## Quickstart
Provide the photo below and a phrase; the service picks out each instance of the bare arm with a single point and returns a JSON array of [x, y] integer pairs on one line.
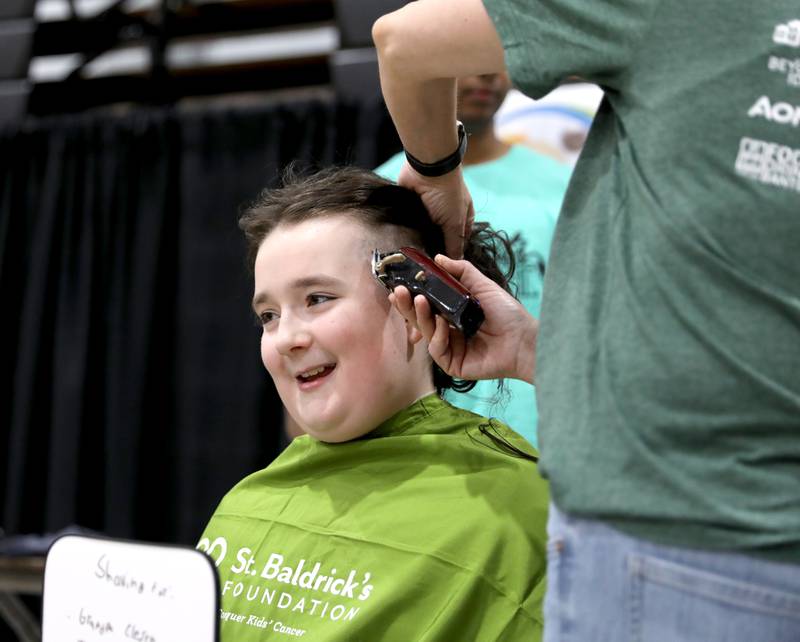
[[422, 49]]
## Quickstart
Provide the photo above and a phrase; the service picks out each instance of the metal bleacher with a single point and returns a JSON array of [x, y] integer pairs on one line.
[[16, 36], [61, 56]]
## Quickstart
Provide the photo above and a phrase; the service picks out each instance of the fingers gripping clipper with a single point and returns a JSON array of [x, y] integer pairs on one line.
[[417, 272]]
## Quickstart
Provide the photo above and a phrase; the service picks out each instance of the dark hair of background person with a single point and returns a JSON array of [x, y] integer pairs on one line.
[[376, 203]]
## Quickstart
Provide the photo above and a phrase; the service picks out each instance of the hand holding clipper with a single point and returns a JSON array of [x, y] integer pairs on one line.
[[413, 269]]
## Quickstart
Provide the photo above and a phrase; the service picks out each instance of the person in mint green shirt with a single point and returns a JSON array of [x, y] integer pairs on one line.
[[396, 516], [519, 191]]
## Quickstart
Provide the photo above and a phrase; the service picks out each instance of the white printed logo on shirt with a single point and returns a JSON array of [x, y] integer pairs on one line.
[[779, 112], [786, 66], [769, 163], [788, 34]]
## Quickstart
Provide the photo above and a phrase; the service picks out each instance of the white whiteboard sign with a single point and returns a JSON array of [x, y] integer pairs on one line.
[[108, 590]]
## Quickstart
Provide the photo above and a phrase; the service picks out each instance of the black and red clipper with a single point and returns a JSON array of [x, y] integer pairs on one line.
[[417, 272]]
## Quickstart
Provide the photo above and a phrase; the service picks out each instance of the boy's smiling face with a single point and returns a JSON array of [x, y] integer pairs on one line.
[[338, 352]]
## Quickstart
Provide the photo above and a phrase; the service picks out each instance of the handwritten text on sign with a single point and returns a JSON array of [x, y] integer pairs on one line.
[[106, 590]]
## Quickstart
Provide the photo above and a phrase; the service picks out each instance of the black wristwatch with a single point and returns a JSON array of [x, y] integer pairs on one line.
[[448, 163]]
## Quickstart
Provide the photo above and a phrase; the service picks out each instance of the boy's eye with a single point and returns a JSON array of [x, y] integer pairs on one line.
[[316, 299], [267, 316]]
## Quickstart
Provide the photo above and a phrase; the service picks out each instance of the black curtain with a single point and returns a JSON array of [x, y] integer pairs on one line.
[[132, 396]]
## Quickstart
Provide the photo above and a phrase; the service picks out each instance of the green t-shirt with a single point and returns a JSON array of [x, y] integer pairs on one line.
[[414, 532], [520, 193], [668, 369]]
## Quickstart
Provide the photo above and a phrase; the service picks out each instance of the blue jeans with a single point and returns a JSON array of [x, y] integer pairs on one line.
[[604, 586]]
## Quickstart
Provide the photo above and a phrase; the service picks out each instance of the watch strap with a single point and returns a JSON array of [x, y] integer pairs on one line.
[[446, 164]]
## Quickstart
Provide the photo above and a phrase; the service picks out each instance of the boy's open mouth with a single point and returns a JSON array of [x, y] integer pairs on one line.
[[315, 373]]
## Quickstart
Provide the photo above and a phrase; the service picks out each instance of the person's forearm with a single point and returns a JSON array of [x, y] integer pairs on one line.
[[422, 48], [423, 113]]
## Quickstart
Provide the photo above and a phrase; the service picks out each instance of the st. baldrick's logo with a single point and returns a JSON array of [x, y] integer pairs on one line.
[[309, 576]]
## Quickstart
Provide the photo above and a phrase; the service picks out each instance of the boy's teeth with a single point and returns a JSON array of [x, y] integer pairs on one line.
[[313, 372]]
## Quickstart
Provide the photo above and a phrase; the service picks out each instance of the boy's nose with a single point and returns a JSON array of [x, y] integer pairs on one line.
[[292, 336]]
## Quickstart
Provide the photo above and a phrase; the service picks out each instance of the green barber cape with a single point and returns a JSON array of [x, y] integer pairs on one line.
[[425, 529]]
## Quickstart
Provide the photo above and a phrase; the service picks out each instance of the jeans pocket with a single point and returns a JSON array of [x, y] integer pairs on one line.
[[673, 602]]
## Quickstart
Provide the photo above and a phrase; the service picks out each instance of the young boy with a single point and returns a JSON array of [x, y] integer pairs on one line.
[[397, 516]]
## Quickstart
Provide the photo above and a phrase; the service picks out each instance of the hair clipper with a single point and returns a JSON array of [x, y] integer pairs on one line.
[[417, 272]]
